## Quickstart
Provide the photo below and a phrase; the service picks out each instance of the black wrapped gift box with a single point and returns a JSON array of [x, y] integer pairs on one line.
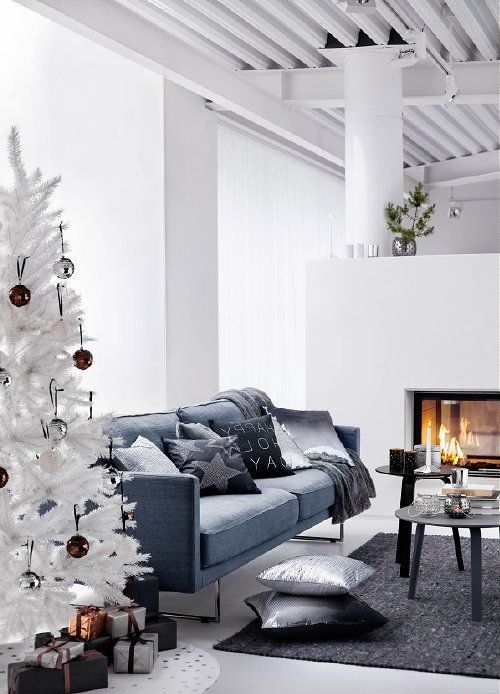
[[42, 639], [90, 672], [145, 592], [166, 629], [102, 644]]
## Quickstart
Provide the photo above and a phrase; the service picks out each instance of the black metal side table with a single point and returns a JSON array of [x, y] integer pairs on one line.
[[474, 524], [408, 480]]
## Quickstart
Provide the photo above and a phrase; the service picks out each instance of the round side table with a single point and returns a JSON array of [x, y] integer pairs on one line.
[[408, 480], [474, 524]]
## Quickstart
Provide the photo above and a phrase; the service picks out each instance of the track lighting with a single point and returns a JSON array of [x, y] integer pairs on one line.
[[451, 90], [455, 208], [367, 6]]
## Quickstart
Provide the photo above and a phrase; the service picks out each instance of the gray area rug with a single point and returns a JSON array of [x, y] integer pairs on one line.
[[433, 633]]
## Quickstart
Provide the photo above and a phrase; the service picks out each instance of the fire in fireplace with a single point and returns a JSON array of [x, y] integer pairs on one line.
[[465, 424]]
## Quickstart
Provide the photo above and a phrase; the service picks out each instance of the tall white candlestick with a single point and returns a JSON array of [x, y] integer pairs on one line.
[[428, 453]]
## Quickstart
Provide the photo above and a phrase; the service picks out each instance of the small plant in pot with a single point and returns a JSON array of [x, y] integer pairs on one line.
[[410, 221]]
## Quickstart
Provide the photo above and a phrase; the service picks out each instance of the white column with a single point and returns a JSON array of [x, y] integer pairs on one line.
[[192, 344], [373, 144]]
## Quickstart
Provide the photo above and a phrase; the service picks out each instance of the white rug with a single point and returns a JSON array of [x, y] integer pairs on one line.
[[185, 670]]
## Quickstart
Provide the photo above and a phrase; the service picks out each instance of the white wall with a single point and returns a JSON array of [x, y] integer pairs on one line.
[[388, 324], [273, 216], [478, 228], [191, 241], [97, 118]]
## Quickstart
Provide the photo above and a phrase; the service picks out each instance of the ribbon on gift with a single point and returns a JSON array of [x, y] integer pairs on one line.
[[129, 609], [134, 640], [90, 611], [61, 649]]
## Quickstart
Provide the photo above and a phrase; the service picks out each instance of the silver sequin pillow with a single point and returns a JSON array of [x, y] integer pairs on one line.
[[292, 455], [311, 618], [316, 575]]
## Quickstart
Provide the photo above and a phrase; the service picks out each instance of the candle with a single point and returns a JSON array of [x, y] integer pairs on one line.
[[428, 448]]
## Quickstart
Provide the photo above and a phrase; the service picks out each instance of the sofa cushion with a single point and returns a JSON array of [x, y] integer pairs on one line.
[[150, 426], [221, 411], [313, 488], [231, 525]]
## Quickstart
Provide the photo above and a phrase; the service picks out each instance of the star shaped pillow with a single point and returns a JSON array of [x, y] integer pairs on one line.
[[216, 463]]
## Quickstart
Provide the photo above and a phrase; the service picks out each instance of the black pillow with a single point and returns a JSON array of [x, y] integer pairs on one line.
[[258, 445], [217, 464], [300, 617]]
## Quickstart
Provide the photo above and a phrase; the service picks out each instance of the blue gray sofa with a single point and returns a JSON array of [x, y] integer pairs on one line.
[[195, 541]]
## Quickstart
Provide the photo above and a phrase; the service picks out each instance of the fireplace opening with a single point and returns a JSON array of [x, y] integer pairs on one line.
[[466, 425]]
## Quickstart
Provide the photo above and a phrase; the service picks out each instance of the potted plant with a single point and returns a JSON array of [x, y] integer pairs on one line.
[[416, 214]]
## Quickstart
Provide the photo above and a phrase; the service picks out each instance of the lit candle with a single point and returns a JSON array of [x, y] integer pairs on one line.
[[428, 448]]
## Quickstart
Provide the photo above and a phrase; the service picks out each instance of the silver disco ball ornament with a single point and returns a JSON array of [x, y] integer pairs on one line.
[[63, 268], [112, 479], [5, 377], [57, 429], [29, 580]]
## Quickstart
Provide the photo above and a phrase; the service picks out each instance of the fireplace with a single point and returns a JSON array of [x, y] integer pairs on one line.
[[466, 424]]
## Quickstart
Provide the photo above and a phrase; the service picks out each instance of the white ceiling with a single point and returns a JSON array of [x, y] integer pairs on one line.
[[271, 34]]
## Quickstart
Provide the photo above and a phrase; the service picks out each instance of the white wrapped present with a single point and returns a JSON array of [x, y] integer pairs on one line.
[[54, 655], [122, 620], [135, 653]]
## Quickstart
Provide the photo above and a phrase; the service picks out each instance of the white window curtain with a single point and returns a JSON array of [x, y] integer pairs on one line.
[[276, 211]]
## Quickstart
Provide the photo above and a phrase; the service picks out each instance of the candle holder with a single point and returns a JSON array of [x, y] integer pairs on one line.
[[410, 464], [420, 451], [457, 506], [396, 459]]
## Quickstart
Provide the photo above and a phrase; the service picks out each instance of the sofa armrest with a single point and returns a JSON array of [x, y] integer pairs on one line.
[[350, 437], [168, 526]]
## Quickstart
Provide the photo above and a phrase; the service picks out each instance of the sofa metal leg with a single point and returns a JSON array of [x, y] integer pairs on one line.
[[317, 538], [204, 619]]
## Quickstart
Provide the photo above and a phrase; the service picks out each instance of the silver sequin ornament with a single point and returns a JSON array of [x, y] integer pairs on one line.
[[57, 429], [29, 580], [5, 377], [63, 268]]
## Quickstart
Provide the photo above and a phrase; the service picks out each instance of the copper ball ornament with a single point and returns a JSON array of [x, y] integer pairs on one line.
[[19, 295], [63, 268], [29, 580], [83, 359], [77, 546], [5, 377], [128, 516], [4, 477], [57, 429]]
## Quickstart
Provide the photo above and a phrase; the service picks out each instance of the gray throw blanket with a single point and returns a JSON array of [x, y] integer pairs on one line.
[[353, 487], [249, 400]]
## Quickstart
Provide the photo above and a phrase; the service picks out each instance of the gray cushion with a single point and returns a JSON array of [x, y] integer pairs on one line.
[[195, 431], [144, 456], [151, 426], [230, 525], [221, 411], [313, 488]]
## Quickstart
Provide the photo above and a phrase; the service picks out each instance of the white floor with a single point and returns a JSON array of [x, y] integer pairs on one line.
[[246, 674]]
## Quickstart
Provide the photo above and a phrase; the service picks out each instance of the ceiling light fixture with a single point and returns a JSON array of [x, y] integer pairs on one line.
[[451, 91], [455, 207], [366, 6]]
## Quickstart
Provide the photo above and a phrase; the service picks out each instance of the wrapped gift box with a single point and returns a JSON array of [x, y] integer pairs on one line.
[[121, 620], [166, 629], [87, 672], [88, 622], [43, 638], [55, 654], [135, 653], [144, 591], [102, 644]]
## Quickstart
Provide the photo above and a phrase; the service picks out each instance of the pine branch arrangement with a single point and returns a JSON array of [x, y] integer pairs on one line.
[[412, 219], [43, 476]]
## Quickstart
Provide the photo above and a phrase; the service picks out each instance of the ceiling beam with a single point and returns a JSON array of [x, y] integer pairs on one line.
[[372, 24], [332, 19], [455, 172], [436, 132], [475, 21], [422, 84], [117, 28], [433, 16]]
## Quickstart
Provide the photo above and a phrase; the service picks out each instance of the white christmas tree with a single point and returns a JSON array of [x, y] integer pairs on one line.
[[49, 440]]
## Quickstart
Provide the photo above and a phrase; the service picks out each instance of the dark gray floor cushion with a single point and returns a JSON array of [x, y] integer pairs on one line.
[[313, 489], [221, 411], [150, 426], [230, 525]]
